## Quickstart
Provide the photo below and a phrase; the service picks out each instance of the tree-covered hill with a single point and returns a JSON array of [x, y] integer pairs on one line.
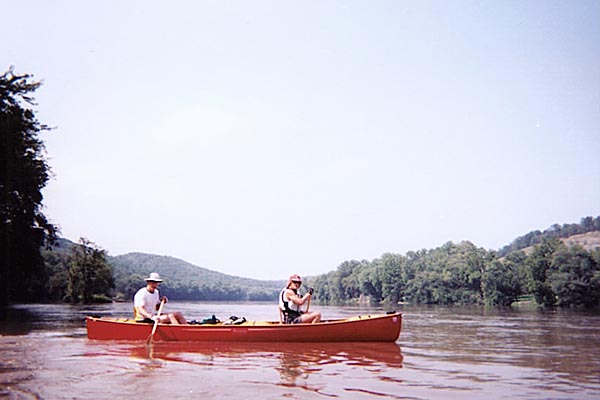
[[589, 241], [186, 281], [183, 281], [556, 231], [557, 270]]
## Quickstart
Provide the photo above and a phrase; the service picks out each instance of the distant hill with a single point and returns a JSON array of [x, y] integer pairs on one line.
[[589, 241], [556, 231], [63, 246], [187, 281]]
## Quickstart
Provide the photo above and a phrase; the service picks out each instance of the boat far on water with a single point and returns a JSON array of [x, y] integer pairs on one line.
[[363, 328]]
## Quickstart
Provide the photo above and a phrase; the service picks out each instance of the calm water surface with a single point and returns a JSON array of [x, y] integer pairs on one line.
[[442, 353]]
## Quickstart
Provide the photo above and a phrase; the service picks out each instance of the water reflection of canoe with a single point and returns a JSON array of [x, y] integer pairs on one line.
[[365, 328], [362, 354]]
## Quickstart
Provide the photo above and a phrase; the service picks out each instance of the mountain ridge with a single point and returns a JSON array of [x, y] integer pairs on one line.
[[184, 280]]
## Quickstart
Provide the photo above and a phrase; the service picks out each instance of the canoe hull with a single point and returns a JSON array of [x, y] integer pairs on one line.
[[369, 328]]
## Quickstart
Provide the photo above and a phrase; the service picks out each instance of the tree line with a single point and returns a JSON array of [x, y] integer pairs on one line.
[[185, 281], [127, 285], [84, 273], [77, 273], [552, 274]]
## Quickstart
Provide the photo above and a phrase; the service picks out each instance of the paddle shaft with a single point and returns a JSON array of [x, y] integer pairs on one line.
[[162, 303], [308, 304]]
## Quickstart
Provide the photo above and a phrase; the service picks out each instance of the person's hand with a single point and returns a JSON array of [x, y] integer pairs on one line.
[[164, 298], [311, 291]]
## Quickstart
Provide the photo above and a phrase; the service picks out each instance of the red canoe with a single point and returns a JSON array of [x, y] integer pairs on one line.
[[365, 328]]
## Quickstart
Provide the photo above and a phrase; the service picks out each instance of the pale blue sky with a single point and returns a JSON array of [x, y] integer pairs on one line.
[[270, 137]]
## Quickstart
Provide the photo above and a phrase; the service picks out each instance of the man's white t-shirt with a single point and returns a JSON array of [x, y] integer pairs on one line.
[[146, 299]]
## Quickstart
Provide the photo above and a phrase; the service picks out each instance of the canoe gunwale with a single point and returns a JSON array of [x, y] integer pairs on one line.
[[365, 328]]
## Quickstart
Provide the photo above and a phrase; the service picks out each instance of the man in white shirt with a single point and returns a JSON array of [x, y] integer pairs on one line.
[[147, 300]]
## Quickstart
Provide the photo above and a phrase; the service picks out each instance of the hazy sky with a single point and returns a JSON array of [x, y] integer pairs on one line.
[[261, 138]]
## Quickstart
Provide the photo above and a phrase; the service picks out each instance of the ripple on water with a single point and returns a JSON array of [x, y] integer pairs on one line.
[[446, 353]]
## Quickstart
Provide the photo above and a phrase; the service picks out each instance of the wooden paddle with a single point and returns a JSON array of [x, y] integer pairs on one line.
[[149, 340]]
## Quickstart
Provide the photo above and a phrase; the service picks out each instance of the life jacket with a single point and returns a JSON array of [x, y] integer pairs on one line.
[[290, 310]]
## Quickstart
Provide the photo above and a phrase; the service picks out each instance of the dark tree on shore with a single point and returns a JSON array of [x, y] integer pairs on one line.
[[89, 277], [24, 172], [539, 263]]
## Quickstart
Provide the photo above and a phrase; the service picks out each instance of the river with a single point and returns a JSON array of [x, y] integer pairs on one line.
[[442, 353]]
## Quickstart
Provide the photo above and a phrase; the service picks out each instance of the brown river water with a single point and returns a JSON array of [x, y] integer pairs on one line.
[[442, 353]]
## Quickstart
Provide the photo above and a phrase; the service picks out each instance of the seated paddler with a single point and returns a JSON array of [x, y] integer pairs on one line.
[[290, 303], [147, 300]]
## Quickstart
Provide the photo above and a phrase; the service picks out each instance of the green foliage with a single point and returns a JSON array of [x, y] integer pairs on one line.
[[24, 172], [501, 284], [539, 264], [89, 276], [57, 269], [574, 277], [451, 274], [184, 281], [390, 268], [465, 274], [596, 255]]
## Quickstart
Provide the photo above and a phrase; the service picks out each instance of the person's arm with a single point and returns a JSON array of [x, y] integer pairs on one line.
[[161, 299], [294, 298]]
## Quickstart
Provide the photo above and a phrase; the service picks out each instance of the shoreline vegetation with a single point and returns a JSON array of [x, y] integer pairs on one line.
[[560, 266], [555, 268]]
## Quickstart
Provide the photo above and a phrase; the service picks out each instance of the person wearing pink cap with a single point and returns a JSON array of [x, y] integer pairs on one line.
[[147, 300], [290, 303]]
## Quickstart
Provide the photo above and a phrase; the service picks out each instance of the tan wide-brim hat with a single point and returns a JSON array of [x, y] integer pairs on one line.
[[154, 277]]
